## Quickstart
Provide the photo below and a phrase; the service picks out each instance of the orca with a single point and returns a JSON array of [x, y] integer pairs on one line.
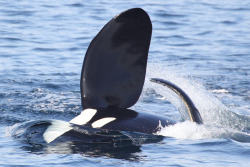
[[112, 79]]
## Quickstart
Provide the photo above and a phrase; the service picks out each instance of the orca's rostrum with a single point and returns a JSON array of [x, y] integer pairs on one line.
[[112, 78]]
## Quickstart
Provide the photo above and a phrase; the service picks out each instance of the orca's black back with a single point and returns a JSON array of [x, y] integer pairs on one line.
[[114, 67]]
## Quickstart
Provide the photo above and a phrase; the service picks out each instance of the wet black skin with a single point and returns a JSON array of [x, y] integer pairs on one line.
[[130, 120], [114, 67]]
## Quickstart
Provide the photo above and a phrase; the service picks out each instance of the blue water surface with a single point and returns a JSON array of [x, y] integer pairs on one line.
[[203, 46]]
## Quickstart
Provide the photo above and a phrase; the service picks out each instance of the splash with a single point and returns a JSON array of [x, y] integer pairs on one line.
[[191, 130], [219, 121]]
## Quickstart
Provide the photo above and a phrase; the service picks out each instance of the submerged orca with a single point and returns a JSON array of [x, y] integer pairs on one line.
[[112, 79]]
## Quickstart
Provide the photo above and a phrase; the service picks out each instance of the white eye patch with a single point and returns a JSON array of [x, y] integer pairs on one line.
[[84, 117], [101, 122]]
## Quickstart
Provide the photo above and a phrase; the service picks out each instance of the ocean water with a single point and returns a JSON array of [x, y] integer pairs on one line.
[[203, 46]]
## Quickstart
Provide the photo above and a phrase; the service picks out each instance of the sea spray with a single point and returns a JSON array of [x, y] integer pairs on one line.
[[219, 121]]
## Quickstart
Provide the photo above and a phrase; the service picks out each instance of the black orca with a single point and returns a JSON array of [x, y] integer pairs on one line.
[[112, 79]]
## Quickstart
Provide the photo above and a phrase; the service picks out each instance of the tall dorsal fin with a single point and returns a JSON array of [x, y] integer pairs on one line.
[[114, 67], [193, 113]]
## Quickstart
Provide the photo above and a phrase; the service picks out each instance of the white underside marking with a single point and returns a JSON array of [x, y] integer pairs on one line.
[[55, 130], [58, 128], [84, 117], [101, 122]]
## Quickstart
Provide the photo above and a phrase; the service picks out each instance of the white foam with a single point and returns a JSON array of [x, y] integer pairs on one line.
[[85, 116], [220, 91], [56, 129], [9, 130], [191, 130], [101, 122], [184, 130]]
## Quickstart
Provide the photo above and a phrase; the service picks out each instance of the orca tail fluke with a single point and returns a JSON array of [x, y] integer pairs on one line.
[[114, 67], [193, 113]]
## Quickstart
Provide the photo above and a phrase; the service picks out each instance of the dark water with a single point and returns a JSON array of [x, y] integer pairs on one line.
[[202, 46]]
